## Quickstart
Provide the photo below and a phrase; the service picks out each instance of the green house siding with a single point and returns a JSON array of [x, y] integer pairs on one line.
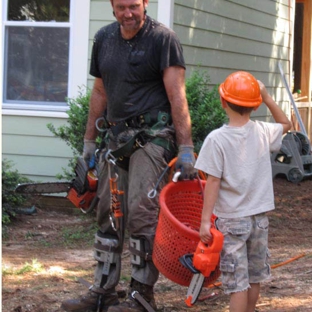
[[225, 36], [31, 147]]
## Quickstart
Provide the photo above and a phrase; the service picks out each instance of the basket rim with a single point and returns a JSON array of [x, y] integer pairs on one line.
[[182, 185]]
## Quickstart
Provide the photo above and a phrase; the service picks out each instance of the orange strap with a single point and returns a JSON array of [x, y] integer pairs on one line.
[[115, 202]]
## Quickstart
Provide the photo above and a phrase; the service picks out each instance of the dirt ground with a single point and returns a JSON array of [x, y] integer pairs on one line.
[[44, 253]]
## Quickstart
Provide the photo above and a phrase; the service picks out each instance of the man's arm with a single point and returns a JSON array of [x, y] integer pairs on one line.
[[97, 106], [174, 81]]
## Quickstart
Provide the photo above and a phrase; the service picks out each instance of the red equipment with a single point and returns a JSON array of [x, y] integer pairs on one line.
[[177, 233], [84, 200]]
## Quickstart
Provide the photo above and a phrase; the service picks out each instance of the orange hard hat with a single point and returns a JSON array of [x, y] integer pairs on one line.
[[241, 88]]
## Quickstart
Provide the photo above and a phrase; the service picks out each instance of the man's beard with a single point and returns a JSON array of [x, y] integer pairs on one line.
[[134, 26]]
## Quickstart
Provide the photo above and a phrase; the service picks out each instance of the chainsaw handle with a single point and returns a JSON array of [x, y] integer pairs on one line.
[[217, 241], [207, 257]]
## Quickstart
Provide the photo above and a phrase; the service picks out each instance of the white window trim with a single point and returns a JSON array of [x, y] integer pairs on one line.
[[78, 62], [165, 12]]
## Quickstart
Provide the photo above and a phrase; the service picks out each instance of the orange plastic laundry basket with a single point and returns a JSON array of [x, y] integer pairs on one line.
[[177, 232]]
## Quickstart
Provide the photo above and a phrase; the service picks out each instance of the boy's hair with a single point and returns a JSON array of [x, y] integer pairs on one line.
[[242, 110]]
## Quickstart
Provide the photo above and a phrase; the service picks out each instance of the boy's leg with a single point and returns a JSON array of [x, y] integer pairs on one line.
[[238, 301], [259, 268], [245, 300], [253, 295], [234, 261]]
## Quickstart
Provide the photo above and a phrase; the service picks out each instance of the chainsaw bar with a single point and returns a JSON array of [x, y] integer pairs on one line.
[[43, 188], [194, 289]]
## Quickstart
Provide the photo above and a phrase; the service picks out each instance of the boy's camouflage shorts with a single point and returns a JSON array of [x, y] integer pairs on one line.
[[244, 257]]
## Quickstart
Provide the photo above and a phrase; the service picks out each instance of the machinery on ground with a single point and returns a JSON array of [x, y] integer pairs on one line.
[[294, 159]]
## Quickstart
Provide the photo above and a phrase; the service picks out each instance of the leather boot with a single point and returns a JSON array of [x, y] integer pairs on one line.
[[133, 305], [88, 302]]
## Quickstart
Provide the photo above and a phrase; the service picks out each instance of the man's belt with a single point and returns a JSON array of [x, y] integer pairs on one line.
[[149, 119]]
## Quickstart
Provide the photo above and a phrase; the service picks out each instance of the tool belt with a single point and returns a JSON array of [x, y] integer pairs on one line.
[[150, 119], [146, 123]]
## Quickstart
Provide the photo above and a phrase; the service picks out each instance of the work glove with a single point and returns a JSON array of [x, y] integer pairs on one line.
[[185, 162], [89, 148]]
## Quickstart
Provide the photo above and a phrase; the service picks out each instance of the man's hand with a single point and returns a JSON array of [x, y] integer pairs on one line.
[[89, 148], [185, 162]]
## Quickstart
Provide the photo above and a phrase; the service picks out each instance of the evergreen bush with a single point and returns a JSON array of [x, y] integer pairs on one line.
[[11, 200], [73, 132], [205, 107]]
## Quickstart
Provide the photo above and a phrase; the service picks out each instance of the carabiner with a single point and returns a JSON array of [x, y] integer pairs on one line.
[[100, 129], [112, 222], [109, 157]]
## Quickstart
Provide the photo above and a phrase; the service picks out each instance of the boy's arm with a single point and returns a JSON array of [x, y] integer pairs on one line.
[[210, 197], [277, 113]]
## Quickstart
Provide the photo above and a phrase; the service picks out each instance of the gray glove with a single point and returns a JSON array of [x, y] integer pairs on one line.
[[185, 162], [89, 148]]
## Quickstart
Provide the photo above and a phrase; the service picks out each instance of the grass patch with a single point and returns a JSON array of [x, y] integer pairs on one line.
[[80, 235], [34, 266]]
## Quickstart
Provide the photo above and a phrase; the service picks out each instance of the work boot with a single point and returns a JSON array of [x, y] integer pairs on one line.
[[88, 302], [133, 305]]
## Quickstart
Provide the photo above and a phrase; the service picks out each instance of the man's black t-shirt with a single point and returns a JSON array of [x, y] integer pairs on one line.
[[132, 70]]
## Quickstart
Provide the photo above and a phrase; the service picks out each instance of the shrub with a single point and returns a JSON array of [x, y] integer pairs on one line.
[[11, 200], [205, 107], [73, 132]]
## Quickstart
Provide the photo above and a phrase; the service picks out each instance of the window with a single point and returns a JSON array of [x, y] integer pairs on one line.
[[39, 60]]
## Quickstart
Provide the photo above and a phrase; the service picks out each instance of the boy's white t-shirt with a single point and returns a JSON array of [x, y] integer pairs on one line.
[[241, 158]]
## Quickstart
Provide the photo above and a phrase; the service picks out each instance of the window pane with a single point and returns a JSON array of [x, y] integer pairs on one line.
[[36, 64], [38, 10]]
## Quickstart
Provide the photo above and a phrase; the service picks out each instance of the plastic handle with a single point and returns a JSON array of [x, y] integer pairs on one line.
[[176, 176]]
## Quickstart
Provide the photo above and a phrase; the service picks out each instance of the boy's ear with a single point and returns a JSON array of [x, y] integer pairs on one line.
[[223, 102], [255, 108]]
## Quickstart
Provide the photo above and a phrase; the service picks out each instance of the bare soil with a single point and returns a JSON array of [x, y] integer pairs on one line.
[[53, 239]]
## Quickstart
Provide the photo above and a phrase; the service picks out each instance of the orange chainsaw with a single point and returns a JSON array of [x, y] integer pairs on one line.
[[202, 264], [81, 191]]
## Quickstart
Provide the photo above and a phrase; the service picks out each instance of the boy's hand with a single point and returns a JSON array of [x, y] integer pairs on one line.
[[204, 232], [263, 91], [277, 113]]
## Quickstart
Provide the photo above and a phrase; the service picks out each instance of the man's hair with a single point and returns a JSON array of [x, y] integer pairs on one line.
[[113, 1], [242, 110]]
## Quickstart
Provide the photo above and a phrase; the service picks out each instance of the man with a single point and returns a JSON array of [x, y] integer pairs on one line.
[[139, 87]]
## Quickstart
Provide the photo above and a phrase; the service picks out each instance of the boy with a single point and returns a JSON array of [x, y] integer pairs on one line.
[[239, 188]]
